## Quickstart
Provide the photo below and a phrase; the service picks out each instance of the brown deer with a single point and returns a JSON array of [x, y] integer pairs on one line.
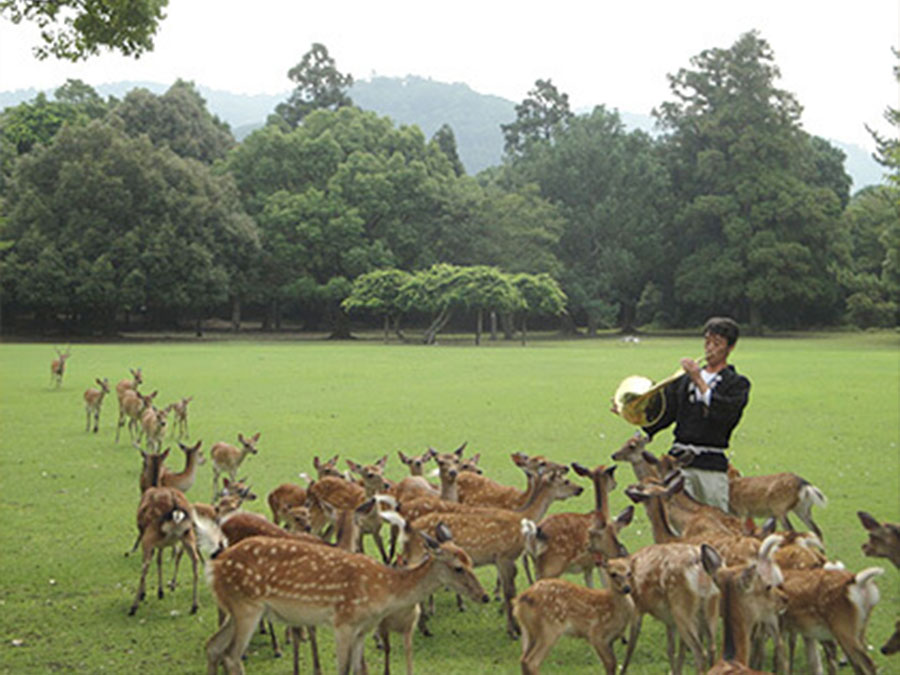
[[327, 468], [552, 608], [309, 584], [226, 458], [479, 490], [122, 388], [750, 596], [131, 408], [93, 401], [154, 423], [180, 415], [833, 603], [416, 463], [58, 367], [884, 539], [561, 542], [494, 536], [374, 483], [184, 480], [284, 498], [164, 518], [774, 495]]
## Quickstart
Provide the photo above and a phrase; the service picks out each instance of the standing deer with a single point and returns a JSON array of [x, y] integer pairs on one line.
[[164, 518], [93, 401], [180, 411], [774, 495], [122, 388], [309, 585], [552, 608], [184, 479], [58, 367], [226, 458], [131, 408], [154, 422]]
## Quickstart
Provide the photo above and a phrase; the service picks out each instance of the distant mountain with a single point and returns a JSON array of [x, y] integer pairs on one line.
[[475, 118]]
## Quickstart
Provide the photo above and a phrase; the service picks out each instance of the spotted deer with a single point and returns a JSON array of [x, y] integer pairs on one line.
[[58, 367], [154, 423], [184, 480], [309, 584], [93, 402], [416, 463], [131, 409], [226, 458], [774, 495], [122, 388], [180, 415], [552, 608]]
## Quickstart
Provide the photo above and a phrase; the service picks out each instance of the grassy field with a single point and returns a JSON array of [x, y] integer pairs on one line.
[[823, 406]]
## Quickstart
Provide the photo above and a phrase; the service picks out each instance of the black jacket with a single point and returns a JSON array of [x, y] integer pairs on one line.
[[699, 424]]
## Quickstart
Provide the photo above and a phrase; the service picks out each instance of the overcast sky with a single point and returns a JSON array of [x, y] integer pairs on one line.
[[834, 55]]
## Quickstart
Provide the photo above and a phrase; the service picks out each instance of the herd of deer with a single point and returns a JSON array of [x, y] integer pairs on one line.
[[306, 566]]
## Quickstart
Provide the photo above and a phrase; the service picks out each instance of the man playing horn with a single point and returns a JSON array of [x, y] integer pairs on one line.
[[705, 404]]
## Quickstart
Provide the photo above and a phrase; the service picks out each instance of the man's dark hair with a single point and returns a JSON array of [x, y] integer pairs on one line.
[[722, 325]]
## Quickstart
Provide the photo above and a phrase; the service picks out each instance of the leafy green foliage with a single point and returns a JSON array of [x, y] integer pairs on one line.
[[74, 30], [320, 86]]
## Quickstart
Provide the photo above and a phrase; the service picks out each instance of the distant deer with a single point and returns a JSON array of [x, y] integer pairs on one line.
[[180, 411], [93, 401], [131, 408], [552, 608], [226, 458], [154, 422], [122, 388], [58, 367]]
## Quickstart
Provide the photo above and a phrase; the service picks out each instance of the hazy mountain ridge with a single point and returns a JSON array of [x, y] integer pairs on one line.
[[475, 118]]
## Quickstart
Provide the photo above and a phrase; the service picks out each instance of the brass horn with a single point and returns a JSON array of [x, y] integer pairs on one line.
[[640, 401]]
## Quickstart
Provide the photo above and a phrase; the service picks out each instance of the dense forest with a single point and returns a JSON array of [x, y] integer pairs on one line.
[[146, 212]]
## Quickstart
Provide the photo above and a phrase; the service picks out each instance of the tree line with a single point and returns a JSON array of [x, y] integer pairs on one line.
[[145, 211]]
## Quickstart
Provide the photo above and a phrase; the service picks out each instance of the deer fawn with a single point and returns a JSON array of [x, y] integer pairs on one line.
[[226, 458], [58, 367], [180, 410], [154, 422], [131, 408], [774, 495], [884, 539], [416, 463], [552, 608], [308, 584], [93, 401], [123, 387]]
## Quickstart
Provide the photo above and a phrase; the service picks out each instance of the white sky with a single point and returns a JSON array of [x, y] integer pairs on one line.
[[834, 55]]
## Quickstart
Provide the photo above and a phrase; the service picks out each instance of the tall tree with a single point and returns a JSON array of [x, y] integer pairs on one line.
[[544, 111], [320, 86], [757, 236], [445, 140], [76, 29]]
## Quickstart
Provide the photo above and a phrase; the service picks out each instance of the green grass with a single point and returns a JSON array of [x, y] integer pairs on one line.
[[823, 406]]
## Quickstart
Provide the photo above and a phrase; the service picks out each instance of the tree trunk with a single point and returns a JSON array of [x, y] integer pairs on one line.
[[524, 329], [387, 327], [591, 325], [493, 325], [430, 336], [398, 331], [479, 326], [508, 322], [340, 326], [235, 314]]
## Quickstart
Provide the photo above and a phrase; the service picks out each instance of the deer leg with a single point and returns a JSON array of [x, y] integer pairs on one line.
[[604, 651], [245, 618], [88, 426], [507, 569], [217, 644], [813, 661], [634, 630], [178, 553], [145, 566], [191, 547], [159, 574], [538, 649], [343, 648], [119, 425], [272, 634], [96, 421], [856, 652], [313, 649], [384, 636]]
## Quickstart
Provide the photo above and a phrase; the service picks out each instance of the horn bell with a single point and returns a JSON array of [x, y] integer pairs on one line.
[[640, 401]]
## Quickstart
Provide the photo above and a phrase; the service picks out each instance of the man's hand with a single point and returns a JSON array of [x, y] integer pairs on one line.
[[692, 368]]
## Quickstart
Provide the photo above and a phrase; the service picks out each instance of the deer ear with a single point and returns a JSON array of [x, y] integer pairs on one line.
[[381, 463], [403, 458], [867, 520], [625, 517], [429, 541], [635, 494], [712, 561], [649, 457], [580, 470]]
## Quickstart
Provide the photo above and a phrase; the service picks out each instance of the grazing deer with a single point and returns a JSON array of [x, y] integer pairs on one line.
[[226, 458], [884, 539], [58, 367], [309, 584], [829, 603], [184, 479], [164, 518], [93, 401], [552, 608], [750, 597], [180, 411], [774, 495], [131, 409]]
